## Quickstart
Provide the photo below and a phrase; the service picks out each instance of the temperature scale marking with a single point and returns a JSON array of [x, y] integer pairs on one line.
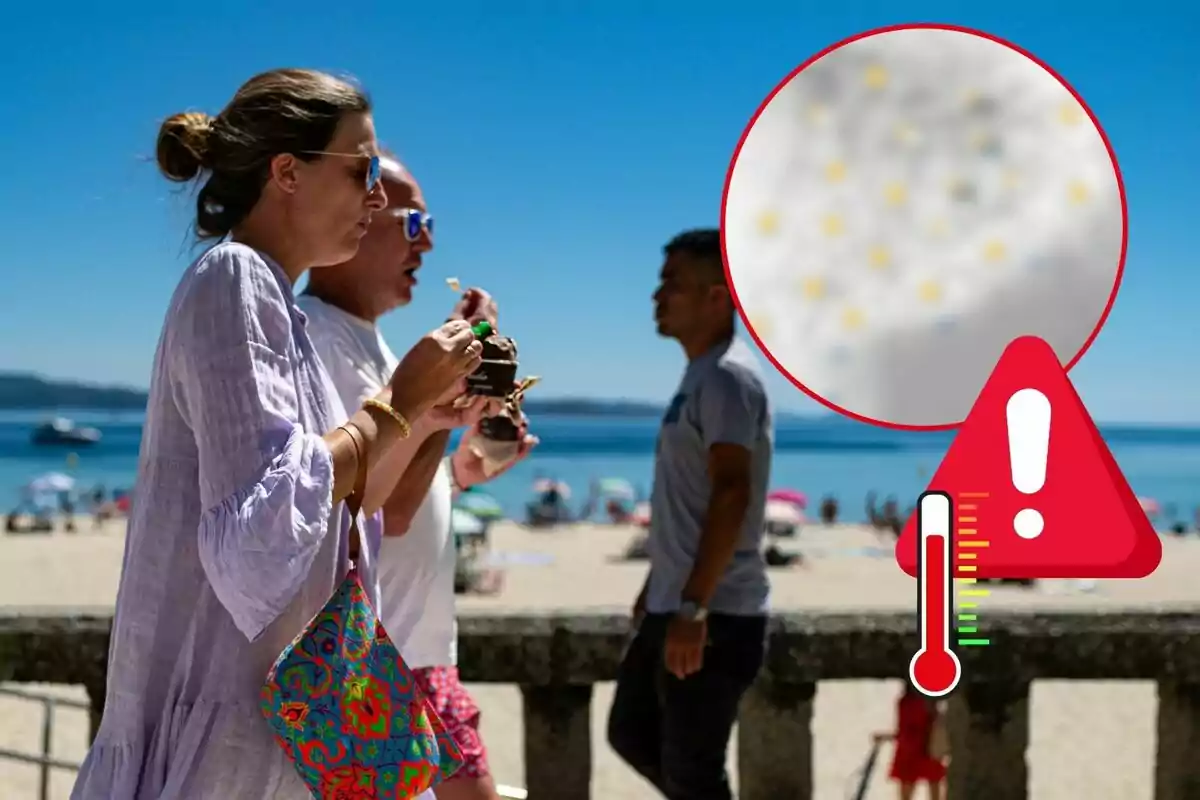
[[966, 552]]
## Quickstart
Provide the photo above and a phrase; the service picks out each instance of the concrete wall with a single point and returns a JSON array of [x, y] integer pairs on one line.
[[555, 659]]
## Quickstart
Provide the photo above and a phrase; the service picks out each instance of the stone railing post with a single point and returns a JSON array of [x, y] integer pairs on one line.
[[1177, 767], [558, 741], [988, 724], [774, 743]]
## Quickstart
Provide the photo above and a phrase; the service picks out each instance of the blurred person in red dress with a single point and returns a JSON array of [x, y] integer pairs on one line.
[[920, 755]]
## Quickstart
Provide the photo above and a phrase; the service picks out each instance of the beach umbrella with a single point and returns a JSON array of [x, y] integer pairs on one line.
[[617, 488], [543, 485], [793, 497], [52, 483], [780, 512], [464, 523], [641, 515], [483, 506]]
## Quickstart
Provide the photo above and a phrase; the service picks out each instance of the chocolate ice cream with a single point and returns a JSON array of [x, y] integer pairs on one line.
[[497, 375], [499, 429]]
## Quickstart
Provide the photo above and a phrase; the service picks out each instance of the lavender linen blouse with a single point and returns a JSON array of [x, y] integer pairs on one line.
[[233, 542]]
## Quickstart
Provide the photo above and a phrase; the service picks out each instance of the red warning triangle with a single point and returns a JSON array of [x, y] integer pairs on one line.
[[1091, 524]]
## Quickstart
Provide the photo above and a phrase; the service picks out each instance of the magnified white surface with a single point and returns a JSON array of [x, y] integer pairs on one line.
[[908, 205]]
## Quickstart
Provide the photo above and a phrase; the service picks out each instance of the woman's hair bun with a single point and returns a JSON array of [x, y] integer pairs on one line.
[[182, 147]]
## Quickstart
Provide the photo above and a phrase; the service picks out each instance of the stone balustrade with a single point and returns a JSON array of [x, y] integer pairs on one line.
[[555, 659]]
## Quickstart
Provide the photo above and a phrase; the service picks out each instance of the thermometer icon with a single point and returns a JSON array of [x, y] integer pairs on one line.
[[935, 669]]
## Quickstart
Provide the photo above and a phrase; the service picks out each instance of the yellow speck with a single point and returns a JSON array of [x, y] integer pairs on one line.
[[813, 288], [880, 257], [930, 292], [876, 77], [1078, 193], [906, 134], [835, 171], [1012, 179], [832, 225], [762, 325], [994, 250], [853, 319], [816, 113], [768, 223], [895, 193], [1070, 113], [939, 227], [971, 97]]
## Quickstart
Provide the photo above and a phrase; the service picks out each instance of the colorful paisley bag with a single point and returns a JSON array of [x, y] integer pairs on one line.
[[344, 706]]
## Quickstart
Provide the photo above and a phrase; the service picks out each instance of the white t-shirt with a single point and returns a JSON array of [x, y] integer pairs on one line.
[[416, 570]]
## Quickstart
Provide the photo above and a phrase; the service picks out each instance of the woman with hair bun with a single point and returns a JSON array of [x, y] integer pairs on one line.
[[238, 533]]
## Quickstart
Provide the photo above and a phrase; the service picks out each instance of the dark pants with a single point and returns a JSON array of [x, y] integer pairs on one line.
[[675, 733]]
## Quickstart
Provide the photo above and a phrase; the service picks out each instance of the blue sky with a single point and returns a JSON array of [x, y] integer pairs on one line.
[[559, 144]]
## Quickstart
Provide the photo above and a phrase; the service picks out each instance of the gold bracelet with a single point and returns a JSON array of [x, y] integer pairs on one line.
[[405, 428]]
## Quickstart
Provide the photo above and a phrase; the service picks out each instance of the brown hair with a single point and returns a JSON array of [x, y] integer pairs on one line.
[[281, 111]]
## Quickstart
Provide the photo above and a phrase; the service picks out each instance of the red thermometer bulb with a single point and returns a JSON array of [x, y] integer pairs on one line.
[[935, 669]]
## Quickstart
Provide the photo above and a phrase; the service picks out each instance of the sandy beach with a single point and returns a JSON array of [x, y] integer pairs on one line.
[[578, 567]]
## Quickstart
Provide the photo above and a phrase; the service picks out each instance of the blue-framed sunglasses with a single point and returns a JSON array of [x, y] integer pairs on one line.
[[413, 221], [374, 170]]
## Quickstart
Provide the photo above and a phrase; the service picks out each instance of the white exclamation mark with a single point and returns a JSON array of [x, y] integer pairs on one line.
[[1028, 446]]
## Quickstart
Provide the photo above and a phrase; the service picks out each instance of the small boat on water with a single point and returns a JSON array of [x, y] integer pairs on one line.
[[61, 430]]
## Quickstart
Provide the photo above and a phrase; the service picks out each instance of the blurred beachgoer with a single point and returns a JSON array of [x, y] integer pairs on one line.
[[829, 510], [919, 738], [239, 536], [617, 513], [879, 519], [66, 507], [549, 506], [888, 519], [417, 560], [701, 619], [891, 516]]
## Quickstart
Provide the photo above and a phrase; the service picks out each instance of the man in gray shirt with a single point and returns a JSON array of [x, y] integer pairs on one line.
[[702, 616]]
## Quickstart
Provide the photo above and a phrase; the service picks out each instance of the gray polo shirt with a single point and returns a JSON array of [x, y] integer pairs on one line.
[[720, 400]]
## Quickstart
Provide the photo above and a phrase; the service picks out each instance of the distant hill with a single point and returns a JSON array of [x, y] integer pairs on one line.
[[583, 407], [21, 392], [33, 392]]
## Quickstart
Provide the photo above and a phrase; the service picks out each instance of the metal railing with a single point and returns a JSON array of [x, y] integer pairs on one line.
[[45, 761]]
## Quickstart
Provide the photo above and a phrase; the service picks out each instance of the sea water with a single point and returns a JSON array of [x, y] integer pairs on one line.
[[817, 456]]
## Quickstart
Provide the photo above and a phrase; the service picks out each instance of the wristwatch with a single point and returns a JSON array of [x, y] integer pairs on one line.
[[692, 612]]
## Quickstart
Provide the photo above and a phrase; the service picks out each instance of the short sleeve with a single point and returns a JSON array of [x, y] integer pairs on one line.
[[354, 381], [731, 408], [266, 483]]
